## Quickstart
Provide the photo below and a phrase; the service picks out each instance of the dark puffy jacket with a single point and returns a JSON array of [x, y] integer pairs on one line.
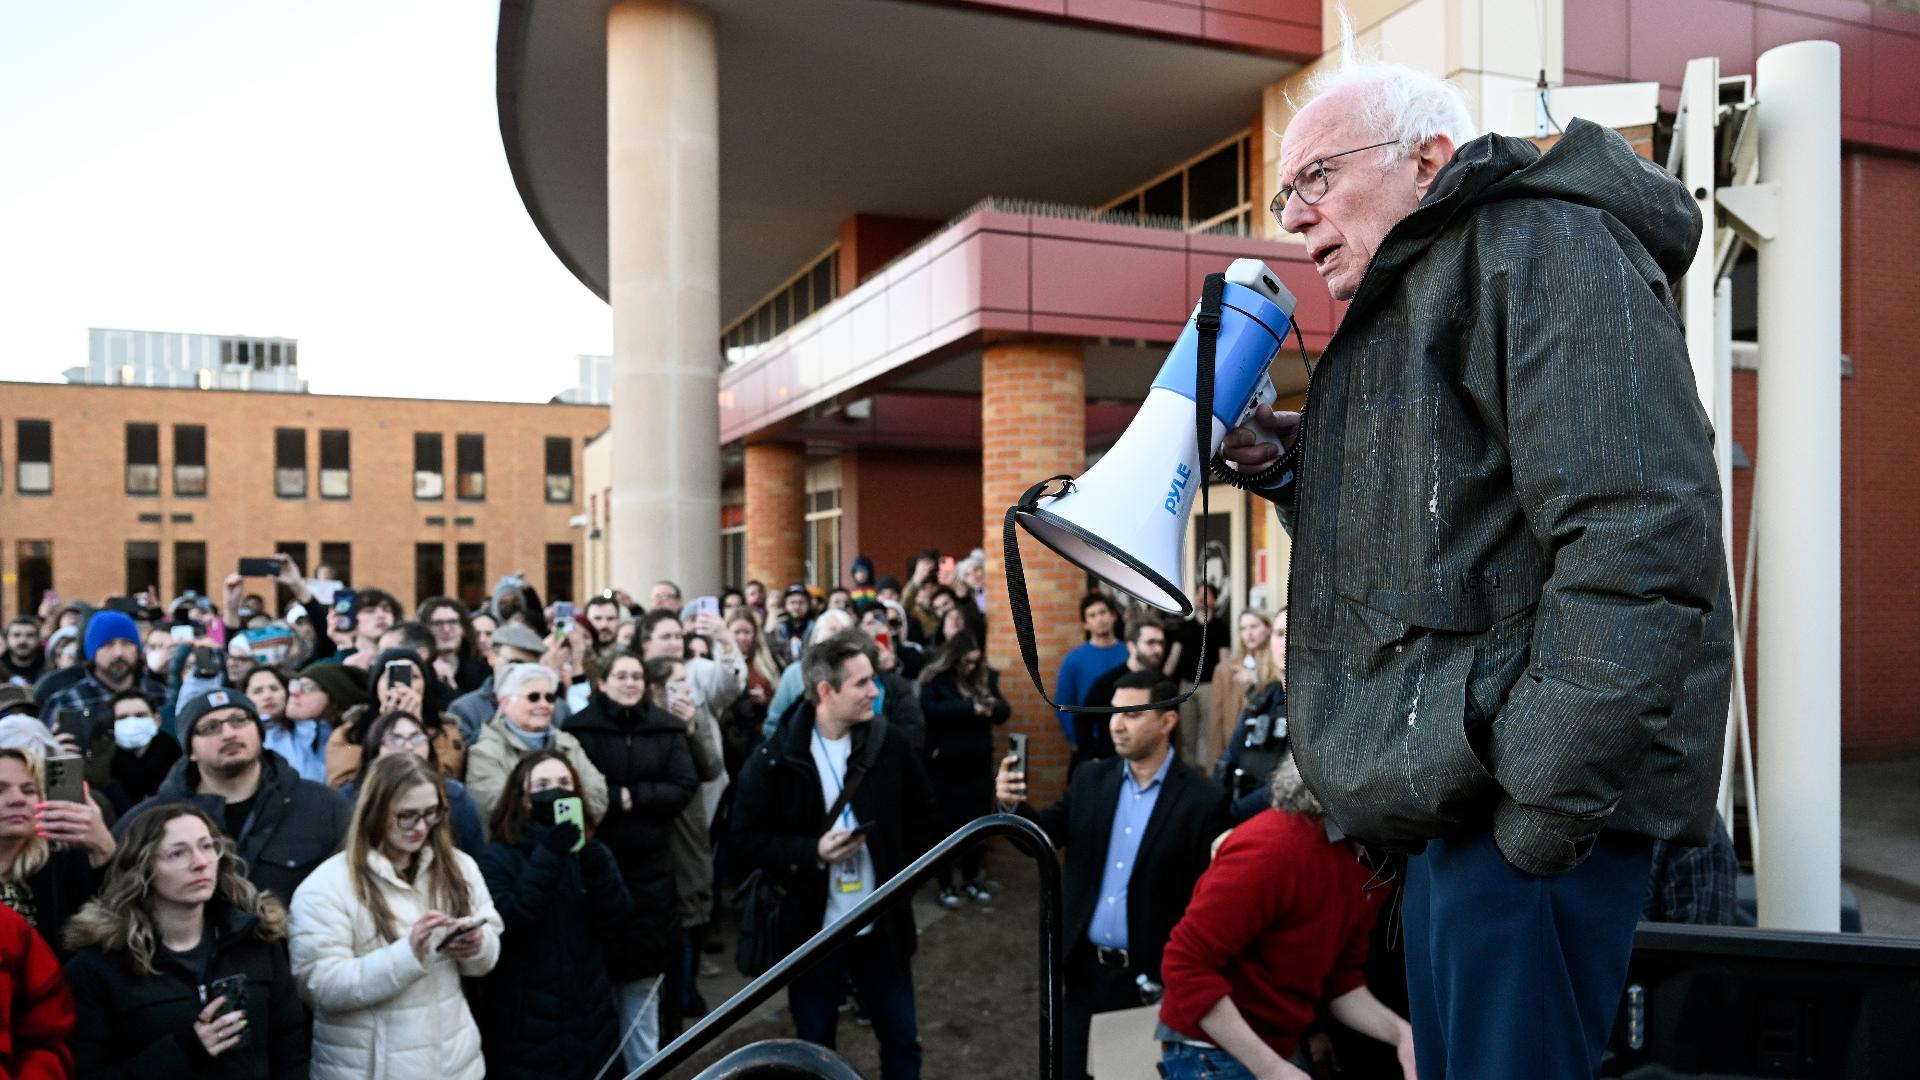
[[1509, 595], [140, 1027], [296, 824], [779, 817], [960, 747], [546, 1010], [644, 752]]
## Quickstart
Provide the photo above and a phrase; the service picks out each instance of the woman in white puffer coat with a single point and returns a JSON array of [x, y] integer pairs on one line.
[[383, 932]]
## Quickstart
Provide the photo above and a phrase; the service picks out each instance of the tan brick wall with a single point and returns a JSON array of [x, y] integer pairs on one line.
[[89, 518], [1033, 424], [776, 475]]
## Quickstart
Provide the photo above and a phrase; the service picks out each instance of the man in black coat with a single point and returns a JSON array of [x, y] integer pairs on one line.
[[1141, 808], [283, 826], [826, 745]]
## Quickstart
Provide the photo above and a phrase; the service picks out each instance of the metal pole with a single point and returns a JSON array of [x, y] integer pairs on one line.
[[1797, 485]]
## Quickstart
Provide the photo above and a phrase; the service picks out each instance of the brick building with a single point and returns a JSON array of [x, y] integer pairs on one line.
[[109, 489], [948, 271]]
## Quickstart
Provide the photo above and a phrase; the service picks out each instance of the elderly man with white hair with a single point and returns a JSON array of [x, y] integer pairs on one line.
[[1509, 657]]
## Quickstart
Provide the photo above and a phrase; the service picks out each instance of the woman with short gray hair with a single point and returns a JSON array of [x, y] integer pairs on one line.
[[524, 724]]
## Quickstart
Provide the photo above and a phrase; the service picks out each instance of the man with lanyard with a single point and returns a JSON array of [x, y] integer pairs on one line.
[[1141, 808], [831, 806]]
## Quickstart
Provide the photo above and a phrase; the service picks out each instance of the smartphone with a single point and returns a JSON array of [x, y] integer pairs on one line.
[[883, 639], [460, 929], [1017, 746], [182, 632], [562, 609], [206, 660], [707, 605], [126, 605], [65, 775], [571, 809], [267, 567], [861, 828], [399, 673], [234, 989]]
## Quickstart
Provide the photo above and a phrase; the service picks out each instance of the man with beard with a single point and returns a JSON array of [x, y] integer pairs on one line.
[[114, 663], [282, 826], [24, 660], [603, 620]]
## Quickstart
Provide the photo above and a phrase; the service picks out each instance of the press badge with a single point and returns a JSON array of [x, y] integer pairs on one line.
[[846, 876]]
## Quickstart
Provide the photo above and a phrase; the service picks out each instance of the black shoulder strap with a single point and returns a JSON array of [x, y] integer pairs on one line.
[[856, 772], [1207, 323]]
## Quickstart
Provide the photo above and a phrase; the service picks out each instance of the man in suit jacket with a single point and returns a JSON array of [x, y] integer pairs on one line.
[[1140, 808]]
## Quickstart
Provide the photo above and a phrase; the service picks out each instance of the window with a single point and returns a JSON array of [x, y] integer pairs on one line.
[[559, 470], [823, 538], [559, 572], [1210, 193], [143, 566], [429, 569], [189, 460], [336, 476], [190, 566], [34, 561], [470, 462], [143, 459], [33, 456], [290, 463], [733, 556], [283, 597], [471, 575], [429, 470], [339, 556]]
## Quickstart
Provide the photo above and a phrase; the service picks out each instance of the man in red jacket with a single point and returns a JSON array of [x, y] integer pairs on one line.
[[1277, 927], [39, 1007]]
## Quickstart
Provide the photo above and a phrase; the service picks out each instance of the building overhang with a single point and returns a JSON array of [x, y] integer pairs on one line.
[[919, 324], [915, 109]]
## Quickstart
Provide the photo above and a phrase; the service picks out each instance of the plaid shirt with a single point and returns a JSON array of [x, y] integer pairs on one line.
[[1694, 884], [90, 695]]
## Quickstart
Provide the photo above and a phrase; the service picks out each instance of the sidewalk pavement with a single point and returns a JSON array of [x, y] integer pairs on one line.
[[1880, 843]]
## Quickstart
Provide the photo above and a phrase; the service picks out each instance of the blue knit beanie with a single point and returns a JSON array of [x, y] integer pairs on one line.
[[108, 626]]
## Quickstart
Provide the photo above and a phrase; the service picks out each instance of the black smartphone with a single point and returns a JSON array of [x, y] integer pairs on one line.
[[205, 661], [399, 673], [126, 605], [459, 930], [1017, 746], [234, 989], [267, 567], [66, 774], [861, 828]]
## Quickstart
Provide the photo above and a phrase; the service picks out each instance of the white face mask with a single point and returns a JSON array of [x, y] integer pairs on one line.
[[134, 732], [157, 659]]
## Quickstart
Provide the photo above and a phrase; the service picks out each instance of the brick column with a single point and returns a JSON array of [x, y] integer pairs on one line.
[[776, 475], [1033, 424]]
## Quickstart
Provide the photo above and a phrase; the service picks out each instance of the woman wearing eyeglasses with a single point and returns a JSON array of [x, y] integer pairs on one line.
[[527, 695], [398, 732], [384, 931], [548, 1008], [298, 734], [400, 684], [180, 968]]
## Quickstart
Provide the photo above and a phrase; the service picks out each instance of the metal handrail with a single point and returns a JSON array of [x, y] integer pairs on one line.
[[1025, 835], [773, 1058]]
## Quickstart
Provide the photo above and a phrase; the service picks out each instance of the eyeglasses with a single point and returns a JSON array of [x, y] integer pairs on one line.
[[1310, 182], [535, 697], [404, 742], [408, 820], [214, 725], [443, 623]]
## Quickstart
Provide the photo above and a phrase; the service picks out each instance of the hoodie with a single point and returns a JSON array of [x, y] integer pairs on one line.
[[1508, 590]]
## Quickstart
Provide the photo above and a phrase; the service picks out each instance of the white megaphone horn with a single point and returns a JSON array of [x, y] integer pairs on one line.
[[1125, 520]]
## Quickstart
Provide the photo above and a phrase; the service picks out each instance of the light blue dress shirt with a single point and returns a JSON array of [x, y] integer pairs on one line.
[[1130, 816]]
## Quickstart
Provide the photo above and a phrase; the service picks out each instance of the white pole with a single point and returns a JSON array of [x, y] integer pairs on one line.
[[1718, 398], [1797, 486]]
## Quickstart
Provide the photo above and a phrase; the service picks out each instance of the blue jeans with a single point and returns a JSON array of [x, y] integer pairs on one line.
[[884, 987], [1183, 1061], [1512, 976]]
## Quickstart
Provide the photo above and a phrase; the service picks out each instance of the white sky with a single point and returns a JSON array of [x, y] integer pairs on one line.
[[329, 171]]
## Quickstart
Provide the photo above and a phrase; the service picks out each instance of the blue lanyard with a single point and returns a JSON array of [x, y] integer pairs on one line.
[[846, 812]]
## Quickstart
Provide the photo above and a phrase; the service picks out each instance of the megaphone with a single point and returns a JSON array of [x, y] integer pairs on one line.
[[1125, 520]]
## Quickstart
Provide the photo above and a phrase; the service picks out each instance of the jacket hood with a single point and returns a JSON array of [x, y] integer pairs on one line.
[[229, 924], [184, 778], [1590, 166], [601, 714]]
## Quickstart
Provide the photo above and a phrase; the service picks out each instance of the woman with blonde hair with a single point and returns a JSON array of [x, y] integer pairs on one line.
[[1252, 666], [384, 931], [51, 851], [179, 967]]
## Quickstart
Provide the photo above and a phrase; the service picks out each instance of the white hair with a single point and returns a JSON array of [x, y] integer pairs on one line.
[[519, 675], [831, 621], [1394, 100]]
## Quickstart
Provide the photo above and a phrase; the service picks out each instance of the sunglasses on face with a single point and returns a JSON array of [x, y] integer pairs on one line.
[[535, 697]]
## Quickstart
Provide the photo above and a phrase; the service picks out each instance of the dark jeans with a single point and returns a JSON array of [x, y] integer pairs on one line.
[[884, 987], [1091, 989], [1515, 976]]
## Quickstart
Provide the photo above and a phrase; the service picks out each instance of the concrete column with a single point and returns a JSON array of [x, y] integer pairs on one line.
[[663, 257], [776, 508], [1033, 424]]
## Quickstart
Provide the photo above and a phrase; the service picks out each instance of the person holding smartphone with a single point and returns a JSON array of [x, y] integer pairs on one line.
[[51, 848], [547, 1010], [384, 931], [181, 968], [402, 682]]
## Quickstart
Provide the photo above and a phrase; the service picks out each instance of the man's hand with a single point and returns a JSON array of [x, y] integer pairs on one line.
[[839, 845], [1010, 787], [1251, 447]]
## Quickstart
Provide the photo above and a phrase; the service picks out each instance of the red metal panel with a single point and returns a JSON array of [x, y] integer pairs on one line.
[[954, 281], [1006, 276], [1665, 34], [1856, 41], [1888, 18], [1596, 38], [1271, 35], [1095, 281], [1896, 61], [1858, 11], [1165, 16]]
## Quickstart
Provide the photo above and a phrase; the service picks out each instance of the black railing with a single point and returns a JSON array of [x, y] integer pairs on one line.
[[780, 1057]]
